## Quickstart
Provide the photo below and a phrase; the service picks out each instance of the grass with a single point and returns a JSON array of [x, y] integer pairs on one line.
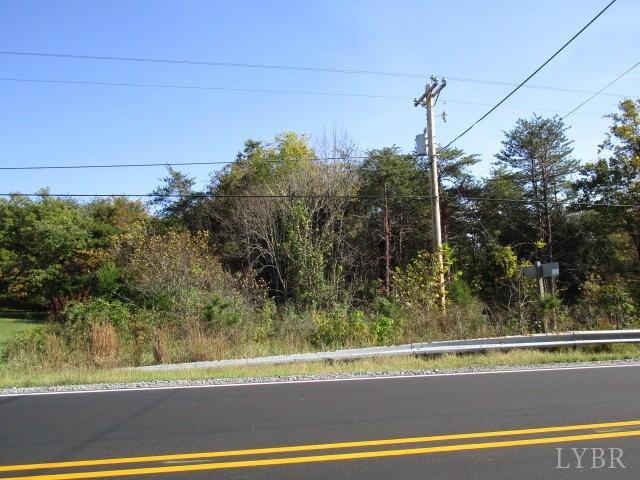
[[32, 377], [16, 322]]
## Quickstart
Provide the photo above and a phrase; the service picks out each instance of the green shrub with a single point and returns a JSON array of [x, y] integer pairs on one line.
[[222, 313], [294, 324], [267, 321], [79, 317], [342, 326], [386, 321], [610, 304], [417, 286], [107, 279], [162, 269], [460, 293], [547, 313], [382, 329], [465, 318], [336, 327], [618, 305]]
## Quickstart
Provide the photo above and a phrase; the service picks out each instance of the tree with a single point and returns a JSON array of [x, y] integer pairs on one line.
[[389, 180], [537, 153], [503, 215], [116, 215], [616, 178], [179, 203], [291, 227], [45, 249], [456, 181]]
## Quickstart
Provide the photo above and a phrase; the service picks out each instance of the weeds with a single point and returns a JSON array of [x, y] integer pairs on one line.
[[103, 344], [67, 375]]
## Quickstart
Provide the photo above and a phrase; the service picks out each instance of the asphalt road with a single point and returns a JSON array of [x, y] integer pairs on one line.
[[487, 426]]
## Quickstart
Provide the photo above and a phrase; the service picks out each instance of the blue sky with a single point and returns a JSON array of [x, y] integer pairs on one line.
[[495, 40]]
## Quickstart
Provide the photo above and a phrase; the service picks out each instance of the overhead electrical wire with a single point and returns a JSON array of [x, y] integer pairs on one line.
[[114, 165], [278, 67], [196, 87], [178, 164], [595, 94], [518, 107], [174, 164], [302, 196], [521, 84], [256, 90]]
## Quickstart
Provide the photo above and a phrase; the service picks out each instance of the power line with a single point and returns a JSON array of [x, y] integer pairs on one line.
[[114, 165], [518, 107], [197, 87], [249, 90], [173, 164], [213, 63], [595, 94], [306, 196], [178, 164], [521, 84], [281, 67]]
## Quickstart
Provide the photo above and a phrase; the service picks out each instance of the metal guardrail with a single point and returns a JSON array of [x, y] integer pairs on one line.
[[543, 340]]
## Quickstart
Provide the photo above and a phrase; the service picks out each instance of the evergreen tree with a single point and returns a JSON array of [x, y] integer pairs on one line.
[[537, 153]]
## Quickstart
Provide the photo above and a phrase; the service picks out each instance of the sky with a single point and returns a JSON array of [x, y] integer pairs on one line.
[[496, 40]]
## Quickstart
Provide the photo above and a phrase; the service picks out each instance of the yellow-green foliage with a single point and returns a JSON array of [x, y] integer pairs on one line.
[[418, 284]]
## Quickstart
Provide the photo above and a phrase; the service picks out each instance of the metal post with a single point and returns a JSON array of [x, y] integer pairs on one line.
[[540, 279]]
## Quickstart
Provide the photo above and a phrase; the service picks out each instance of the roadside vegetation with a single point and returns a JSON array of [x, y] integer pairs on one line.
[[15, 323], [39, 377], [284, 253]]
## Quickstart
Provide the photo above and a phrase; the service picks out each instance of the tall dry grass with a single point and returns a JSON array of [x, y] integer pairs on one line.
[[103, 346], [54, 351]]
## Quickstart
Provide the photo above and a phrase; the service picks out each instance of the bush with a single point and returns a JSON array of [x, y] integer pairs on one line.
[[386, 322], [344, 327], [618, 305], [43, 347], [465, 318], [222, 313], [107, 279], [382, 329], [611, 303], [267, 325], [166, 267], [549, 308], [80, 317], [418, 285], [337, 327], [460, 293]]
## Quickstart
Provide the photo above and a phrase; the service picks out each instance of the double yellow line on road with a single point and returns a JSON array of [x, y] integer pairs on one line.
[[608, 433]]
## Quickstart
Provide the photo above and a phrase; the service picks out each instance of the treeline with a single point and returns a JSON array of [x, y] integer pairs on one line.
[[292, 247]]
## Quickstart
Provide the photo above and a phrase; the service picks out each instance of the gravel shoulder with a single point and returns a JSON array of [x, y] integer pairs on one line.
[[177, 383]]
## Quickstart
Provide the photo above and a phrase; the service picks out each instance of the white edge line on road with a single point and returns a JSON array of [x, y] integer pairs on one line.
[[326, 380]]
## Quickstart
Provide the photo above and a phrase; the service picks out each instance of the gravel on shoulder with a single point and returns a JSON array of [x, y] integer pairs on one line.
[[97, 387]]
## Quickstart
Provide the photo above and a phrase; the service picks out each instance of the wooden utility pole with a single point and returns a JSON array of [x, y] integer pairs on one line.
[[428, 100]]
